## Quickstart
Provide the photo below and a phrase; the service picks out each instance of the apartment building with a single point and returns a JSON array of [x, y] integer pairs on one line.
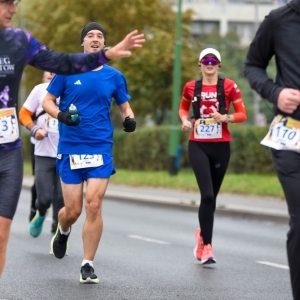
[[243, 16]]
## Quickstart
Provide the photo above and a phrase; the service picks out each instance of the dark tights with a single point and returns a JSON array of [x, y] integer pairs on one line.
[[209, 162], [287, 165]]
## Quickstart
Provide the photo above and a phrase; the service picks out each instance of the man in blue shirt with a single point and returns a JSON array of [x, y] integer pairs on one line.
[[85, 145], [19, 48]]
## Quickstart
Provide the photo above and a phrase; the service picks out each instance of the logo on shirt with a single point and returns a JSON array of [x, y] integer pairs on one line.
[[6, 67], [78, 82], [236, 88], [209, 104]]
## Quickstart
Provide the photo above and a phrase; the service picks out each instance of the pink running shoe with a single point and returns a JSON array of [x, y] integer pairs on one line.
[[207, 255], [199, 245]]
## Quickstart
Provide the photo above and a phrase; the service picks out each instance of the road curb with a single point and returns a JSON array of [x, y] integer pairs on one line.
[[229, 210], [178, 203]]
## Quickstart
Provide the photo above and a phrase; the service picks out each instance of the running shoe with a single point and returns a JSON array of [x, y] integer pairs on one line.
[[199, 245], [59, 243], [207, 255], [87, 274], [36, 225]]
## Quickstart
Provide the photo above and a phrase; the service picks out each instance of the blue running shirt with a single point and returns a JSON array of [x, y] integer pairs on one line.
[[92, 94]]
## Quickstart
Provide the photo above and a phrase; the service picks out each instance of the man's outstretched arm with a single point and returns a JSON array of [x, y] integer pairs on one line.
[[61, 63]]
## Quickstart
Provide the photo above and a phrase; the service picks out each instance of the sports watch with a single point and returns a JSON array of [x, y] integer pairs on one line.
[[104, 50], [227, 119]]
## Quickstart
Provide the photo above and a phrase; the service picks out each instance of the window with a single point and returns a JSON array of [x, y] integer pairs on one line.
[[204, 27], [244, 30]]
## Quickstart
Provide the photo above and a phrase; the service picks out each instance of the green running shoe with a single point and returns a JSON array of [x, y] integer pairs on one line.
[[36, 225]]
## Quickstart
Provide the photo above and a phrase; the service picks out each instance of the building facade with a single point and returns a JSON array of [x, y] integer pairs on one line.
[[242, 16]]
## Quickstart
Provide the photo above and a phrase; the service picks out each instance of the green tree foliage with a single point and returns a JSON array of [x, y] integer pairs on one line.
[[58, 24], [149, 72]]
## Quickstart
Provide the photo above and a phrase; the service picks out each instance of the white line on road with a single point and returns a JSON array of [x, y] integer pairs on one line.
[[132, 236], [267, 263]]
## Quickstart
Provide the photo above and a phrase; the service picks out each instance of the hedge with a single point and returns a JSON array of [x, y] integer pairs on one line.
[[147, 149]]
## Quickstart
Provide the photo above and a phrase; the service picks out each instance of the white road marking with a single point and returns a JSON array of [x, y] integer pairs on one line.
[[267, 263], [132, 236]]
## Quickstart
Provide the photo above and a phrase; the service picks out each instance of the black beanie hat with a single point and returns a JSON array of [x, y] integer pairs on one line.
[[91, 26]]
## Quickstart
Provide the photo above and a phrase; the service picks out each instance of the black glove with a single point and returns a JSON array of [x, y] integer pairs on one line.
[[129, 124], [68, 119]]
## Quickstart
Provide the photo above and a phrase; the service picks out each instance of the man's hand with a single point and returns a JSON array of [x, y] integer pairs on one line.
[[288, 100], [68, 119], [129, 124], [133, 40]]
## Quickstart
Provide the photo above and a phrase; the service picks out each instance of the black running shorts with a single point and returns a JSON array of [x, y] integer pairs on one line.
[[11, 177]]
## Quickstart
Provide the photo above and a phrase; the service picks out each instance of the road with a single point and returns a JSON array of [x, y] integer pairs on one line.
[[146, 252]]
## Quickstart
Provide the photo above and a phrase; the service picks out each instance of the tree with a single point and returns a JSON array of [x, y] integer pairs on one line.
[[149, 72], [58, 24]]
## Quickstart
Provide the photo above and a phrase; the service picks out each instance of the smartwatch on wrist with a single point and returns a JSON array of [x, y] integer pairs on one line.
[[227, 119], [104, 50]]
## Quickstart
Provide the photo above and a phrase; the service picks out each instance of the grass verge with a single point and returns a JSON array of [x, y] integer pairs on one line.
[[246, 184]]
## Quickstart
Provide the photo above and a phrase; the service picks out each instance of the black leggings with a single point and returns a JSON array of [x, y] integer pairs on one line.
[[209, 162], [33, 188], [287, 165], [48, 186], [11, 177]]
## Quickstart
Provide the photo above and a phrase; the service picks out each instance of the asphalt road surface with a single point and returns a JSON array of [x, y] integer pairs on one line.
[[146, 252]]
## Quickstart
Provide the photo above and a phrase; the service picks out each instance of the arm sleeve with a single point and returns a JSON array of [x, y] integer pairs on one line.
[[184, 107], [185, 103], [258, 57], [240, 114], [25, 116], [40, 57]]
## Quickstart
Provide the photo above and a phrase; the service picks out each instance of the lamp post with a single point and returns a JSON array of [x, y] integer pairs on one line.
[[175, 130], [256, 97]]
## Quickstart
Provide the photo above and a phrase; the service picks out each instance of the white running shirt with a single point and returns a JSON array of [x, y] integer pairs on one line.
[[48, 145]]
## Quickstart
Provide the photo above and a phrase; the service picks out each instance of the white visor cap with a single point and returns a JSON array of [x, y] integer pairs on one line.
[[210, 51]]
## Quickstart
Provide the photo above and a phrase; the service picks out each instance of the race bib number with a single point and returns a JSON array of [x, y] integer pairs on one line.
[[283, 134], [51, 125], [79, 161], [9, 129], [207, 129]]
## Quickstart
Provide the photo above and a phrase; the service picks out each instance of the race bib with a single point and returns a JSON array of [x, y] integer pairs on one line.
[[9, 129], [207, 129], [283, 134], [51, 125], [79, 161]]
